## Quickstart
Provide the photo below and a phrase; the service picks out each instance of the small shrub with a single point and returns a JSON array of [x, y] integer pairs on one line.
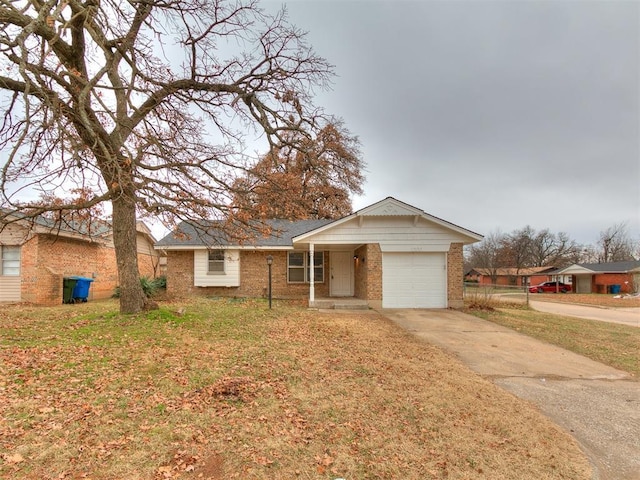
[[150, 286], [160, 282], [480, 302]]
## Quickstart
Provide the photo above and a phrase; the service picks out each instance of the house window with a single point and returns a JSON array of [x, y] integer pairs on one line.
[[10, 257], [299, 267], [216, 261]]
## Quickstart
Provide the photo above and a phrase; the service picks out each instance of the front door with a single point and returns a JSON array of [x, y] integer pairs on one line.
[[341, 274]]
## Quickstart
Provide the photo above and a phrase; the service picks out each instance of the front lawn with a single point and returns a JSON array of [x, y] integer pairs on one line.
[[230, 389]]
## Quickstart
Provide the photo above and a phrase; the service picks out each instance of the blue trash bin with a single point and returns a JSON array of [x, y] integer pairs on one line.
[[81, 289], [615, 288]]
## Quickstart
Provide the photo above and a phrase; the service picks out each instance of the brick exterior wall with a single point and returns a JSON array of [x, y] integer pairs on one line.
[[179, 273], [509, 280], [47, 259], [601, 282], [368, 274], [254, 277], [455, 276], [360, 273]]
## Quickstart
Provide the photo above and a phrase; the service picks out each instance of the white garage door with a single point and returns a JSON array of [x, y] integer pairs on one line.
[[414, 280]]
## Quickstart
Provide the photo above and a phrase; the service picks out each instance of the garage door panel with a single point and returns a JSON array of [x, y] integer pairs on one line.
[[414, 280]]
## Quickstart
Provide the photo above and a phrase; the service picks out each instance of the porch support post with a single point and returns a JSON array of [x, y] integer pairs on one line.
[[312, 291]]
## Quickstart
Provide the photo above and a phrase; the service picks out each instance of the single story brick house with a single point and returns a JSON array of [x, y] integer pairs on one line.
[[35, 257], [510, 276], [389, 254], [600, 277]]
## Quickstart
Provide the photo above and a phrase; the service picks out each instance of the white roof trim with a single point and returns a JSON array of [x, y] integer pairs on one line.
[[575, 269], [391, 207]]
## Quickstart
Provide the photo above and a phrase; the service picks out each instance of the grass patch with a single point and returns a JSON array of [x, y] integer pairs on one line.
[[609, 343], [220, 389]]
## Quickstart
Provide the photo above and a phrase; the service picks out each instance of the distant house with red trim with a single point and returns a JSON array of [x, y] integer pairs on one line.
[[604, 277], [510, 276]]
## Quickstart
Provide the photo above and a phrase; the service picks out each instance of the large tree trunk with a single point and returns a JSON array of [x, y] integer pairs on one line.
[[132, 298]]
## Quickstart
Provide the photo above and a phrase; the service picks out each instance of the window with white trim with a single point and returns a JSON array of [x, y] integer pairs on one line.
[[299, 267], [216, 261], [10, 260]]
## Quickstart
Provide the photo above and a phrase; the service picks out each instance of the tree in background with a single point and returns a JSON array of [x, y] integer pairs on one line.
[[530, 248], [556, 249], [148, 106], [516, 248], [488, 254], [615, 245], [314, 180], [524, 248]]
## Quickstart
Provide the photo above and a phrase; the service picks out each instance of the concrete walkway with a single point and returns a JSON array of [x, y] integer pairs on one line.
[[597, 404]]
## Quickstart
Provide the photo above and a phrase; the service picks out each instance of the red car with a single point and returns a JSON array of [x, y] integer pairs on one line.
[[550, 287]]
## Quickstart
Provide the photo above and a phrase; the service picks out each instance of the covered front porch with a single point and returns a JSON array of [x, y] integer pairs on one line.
[[390, 254], [350, 278]]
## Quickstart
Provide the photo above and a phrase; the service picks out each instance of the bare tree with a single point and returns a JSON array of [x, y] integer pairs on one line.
[[522, 249], [517, 248], [553, 249], [530, 248], [488, 254], [615, 245], [147, 105]]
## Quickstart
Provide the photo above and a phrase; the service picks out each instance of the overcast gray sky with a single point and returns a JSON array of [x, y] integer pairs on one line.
[[493, 115]]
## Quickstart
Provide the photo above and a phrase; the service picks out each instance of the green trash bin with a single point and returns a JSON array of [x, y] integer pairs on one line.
[[68, 284]]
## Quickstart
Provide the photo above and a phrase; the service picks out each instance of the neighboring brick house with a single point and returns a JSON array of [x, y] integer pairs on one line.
[[390, 254], [604, 277], [34, 259], [509, 276]]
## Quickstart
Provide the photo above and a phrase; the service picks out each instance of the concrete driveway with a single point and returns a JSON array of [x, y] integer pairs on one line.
[[625, 316], [597, 404]]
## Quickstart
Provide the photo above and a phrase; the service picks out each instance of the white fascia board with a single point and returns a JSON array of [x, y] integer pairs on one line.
[[402, 209], [304, 236], [391, 202], [575, 269], [472, 236]]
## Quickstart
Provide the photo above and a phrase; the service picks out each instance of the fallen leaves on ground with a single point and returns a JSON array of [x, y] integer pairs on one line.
[[232, 390]]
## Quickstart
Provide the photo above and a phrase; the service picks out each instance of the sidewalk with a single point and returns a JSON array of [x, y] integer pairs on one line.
[[625, 316]]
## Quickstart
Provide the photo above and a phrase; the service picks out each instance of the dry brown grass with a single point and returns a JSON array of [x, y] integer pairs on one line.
[[238, 391], [595, 299]]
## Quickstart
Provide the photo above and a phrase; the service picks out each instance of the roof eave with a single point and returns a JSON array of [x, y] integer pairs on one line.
[[223, 247]]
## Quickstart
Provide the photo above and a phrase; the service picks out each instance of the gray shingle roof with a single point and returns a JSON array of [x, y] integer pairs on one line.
[[611, 267], [96, 227], [210, 233]]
